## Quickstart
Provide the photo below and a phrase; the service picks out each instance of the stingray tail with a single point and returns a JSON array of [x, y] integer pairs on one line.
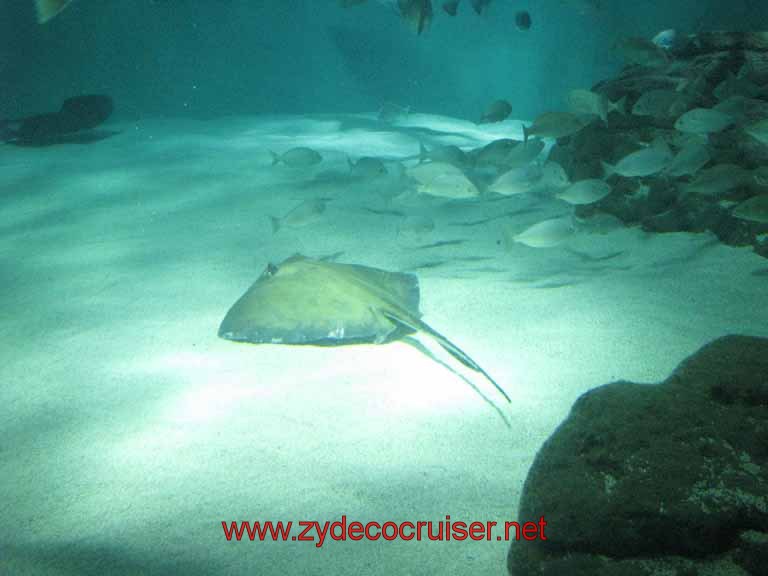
[[462, 357], [427, 352], [418, 326]]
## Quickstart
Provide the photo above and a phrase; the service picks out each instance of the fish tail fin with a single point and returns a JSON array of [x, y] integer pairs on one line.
[[350, 163], [275, 224], [608, 170], [47, 9], [275, 157], [423, 153], [526, 133], [620, 106]]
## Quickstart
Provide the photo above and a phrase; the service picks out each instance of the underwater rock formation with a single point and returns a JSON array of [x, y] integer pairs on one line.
[[658, 479], [724, 75]]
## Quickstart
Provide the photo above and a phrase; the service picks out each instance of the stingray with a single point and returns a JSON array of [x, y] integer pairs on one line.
[[308, 301], [74, 122]]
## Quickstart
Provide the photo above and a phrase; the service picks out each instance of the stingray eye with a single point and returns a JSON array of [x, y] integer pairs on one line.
[[269, 271]]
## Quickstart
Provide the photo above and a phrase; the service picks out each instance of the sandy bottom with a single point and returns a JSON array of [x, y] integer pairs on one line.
[[129, 431]]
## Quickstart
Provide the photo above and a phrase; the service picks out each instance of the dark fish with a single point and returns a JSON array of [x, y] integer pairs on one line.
[[382, 212], [429, 265], [417, 13], [492, 218], [473, 258], [472, 222], [440, 244], [76, 116], [480, 5], [586, 257], [523, 20], [331, 257], [497, 111], [450, 7]]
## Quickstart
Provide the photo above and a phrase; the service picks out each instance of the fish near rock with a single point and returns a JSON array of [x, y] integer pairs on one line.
[[642, 52], [754, 210], [703, 121], [555, 125], [497, 111], [416, 13], [494, 153], [585, 192], [443, 180], [519, 180], [661, 103], [587, 102], [522, 154], [553, 177], [690, 159], [719, 180], [445, 153], [546, 234], [759, 131], [645, 162]]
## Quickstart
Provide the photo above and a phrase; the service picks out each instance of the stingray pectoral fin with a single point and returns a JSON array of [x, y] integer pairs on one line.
[[427, 352]]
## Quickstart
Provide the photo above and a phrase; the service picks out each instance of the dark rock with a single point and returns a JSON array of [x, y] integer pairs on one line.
[[668, 479]]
